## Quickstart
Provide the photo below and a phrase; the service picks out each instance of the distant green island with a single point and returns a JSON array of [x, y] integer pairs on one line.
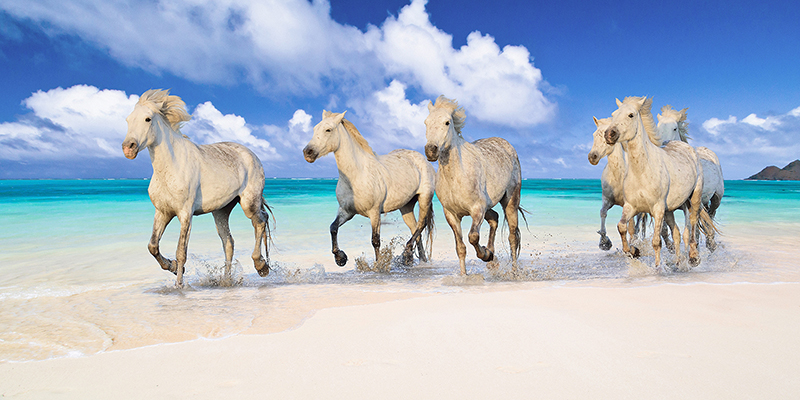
[[791, 172]]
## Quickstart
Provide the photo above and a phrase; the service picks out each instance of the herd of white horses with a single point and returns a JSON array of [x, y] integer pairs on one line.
[[651, 171]]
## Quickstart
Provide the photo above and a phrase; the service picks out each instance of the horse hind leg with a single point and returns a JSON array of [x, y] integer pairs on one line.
[[511, 211], [416, 232], [221, 218], [492, 218], [255, 208]]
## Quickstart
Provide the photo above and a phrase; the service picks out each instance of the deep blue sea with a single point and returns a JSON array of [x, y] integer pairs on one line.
[[76, 277]]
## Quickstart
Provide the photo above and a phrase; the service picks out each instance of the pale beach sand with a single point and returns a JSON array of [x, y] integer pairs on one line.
[[737, 338]]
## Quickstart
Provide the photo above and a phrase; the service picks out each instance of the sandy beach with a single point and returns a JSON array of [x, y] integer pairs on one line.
[[522, 340]]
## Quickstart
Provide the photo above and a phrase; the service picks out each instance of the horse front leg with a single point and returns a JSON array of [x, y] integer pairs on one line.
[[491, 218], [622, 228], [474, 237], [605, 242], [461, 250], [338, 254], [160, 222], [183, 245], [675, 246], [657, 212]]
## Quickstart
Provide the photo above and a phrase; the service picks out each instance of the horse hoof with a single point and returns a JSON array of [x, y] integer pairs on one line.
[[694, 261], [670, 247], [341, 258], [605, 243], [408, 258], [488, 255], [173, 267], [262, 266], [635, 253]]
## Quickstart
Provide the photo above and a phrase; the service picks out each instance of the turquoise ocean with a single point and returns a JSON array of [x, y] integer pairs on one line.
[[76, 278]]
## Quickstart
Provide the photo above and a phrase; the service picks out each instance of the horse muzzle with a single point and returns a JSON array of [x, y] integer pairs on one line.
[[130, 148], [594, 158], [310, 154], [432, 152], [612, 135]]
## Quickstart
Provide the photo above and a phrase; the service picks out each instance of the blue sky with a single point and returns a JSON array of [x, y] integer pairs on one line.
[[261, 72]]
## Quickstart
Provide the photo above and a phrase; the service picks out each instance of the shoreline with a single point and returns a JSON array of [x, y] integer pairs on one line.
[[693, 341]]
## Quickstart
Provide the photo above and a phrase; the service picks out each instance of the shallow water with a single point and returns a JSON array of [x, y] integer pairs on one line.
[[76, 277]]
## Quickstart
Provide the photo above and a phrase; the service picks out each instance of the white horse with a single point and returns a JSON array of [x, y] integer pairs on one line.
[[611, 180], [472, 178], [672, 125], [191, 180], [371, 185], [657, 179]]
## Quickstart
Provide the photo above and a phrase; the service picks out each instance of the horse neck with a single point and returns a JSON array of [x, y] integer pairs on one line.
[[639, 150], [616, 159], [351, 159], [167, 149], [451, 159]]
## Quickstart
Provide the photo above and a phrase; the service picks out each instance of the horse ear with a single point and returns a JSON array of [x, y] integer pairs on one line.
[[326, 114], [642, 101], [430, 107], [596, 122], [683, 113], [619, 103], [658, 117], [338, 119]]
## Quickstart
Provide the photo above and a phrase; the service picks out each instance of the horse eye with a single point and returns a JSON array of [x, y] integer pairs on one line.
[[147, 119], [328, 130], [630, 115], [447, 123]]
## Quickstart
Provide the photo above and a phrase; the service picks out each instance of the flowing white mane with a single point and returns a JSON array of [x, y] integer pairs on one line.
[[356, 135], [680, 117], [172, 108], [458, 113]]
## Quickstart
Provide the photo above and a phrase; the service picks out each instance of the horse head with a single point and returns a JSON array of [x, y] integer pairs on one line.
[[600, 148], [444, 122], [326, 138], [625, 122], [672, 125], [155, 108]]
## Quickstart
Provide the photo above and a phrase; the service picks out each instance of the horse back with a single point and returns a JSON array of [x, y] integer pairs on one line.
[[500, 164]]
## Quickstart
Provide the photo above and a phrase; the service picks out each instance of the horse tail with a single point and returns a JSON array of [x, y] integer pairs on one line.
[[707, 223], [429, 227], [266, 212], [522, 213]]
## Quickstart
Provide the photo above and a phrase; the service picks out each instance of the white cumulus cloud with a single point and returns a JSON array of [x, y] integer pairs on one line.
[[84, 121], [294, 47], [80, 120]]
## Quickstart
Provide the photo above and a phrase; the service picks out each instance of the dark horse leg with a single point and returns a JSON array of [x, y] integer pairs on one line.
[[416, 227], [475, 233], [338, 254]]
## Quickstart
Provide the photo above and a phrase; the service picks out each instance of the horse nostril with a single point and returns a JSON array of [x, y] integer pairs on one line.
[[309, 154], [432, 152]]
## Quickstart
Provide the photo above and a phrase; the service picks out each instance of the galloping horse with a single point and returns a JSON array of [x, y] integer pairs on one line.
[[657, 179], [672, 125], [191, 180], [371, 185], [611, 180], [472, 178]]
